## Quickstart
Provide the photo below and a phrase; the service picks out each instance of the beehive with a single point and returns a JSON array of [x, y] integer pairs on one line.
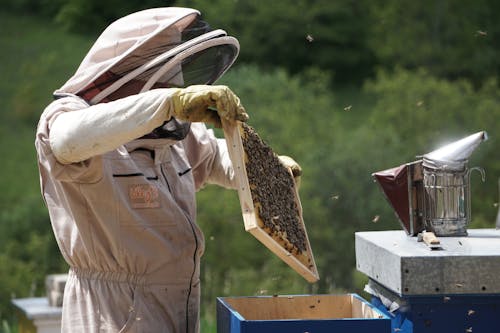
[[299, 314], [269, 200]]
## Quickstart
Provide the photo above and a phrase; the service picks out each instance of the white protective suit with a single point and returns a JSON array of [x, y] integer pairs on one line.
[[123, 209]]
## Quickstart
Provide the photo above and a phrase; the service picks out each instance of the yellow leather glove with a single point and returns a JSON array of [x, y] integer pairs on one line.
[[197, 103], [290, 163]]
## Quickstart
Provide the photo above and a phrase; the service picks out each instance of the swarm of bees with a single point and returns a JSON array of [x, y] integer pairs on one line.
[[272, 188]]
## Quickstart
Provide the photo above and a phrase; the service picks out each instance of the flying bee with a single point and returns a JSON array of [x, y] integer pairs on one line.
[[335, 196]]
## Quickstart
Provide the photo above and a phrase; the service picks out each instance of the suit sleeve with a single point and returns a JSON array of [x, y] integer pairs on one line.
[[209, 158], [93, 130]]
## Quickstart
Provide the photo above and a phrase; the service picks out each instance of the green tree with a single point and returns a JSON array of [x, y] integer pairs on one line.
[[452, 39], [94, 15], [307, 33], [298, 35]]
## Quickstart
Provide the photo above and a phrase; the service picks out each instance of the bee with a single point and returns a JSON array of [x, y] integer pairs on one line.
[[335, 197]]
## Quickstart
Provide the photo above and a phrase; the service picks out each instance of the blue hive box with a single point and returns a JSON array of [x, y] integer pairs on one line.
[[348, 313]]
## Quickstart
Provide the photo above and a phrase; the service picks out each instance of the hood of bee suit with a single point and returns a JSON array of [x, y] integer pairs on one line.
[[169, 46]]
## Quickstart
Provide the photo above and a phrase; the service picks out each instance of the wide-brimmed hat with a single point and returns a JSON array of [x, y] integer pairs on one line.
[[168, 45]]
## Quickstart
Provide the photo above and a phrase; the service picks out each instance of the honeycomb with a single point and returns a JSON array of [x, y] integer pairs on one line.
[[274, 196]]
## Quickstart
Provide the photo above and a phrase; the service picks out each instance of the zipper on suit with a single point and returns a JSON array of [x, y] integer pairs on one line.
[[191, 224]]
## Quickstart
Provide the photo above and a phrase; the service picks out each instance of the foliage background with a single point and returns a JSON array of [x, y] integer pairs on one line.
[[346, 88]]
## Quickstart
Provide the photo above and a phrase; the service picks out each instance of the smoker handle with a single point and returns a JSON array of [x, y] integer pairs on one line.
[[480, 170], [483, 177]]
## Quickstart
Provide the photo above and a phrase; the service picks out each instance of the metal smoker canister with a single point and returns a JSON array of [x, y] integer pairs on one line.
[[447, 205], [446, 182]]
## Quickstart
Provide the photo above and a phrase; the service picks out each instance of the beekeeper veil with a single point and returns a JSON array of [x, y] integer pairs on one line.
[[153, 48], [159, 47]]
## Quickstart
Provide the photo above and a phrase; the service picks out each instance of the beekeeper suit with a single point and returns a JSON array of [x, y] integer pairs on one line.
[[121, 152]]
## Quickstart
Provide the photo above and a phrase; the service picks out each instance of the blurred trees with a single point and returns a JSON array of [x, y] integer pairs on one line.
[[452, 39], [349, 39], [305, 33], [83, 16]]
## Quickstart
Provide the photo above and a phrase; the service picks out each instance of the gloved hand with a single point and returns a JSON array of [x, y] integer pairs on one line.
[[197, 103], [290, 163]]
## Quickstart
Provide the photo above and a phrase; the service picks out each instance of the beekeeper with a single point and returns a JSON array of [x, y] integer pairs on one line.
[[121, 152]]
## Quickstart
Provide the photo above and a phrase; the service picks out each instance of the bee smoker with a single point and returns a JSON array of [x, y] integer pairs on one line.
[[433, 193]]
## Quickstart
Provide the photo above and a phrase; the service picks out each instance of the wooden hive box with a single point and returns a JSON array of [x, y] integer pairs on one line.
[[346, 313], [270, 203]]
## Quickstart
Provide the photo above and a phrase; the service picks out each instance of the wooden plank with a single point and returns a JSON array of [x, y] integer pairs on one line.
[[292, 307], [300, 314], [301, 261]]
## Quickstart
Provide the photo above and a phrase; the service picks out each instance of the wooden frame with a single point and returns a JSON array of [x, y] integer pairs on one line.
[[300, 314], [283, 307], [233, 133]]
